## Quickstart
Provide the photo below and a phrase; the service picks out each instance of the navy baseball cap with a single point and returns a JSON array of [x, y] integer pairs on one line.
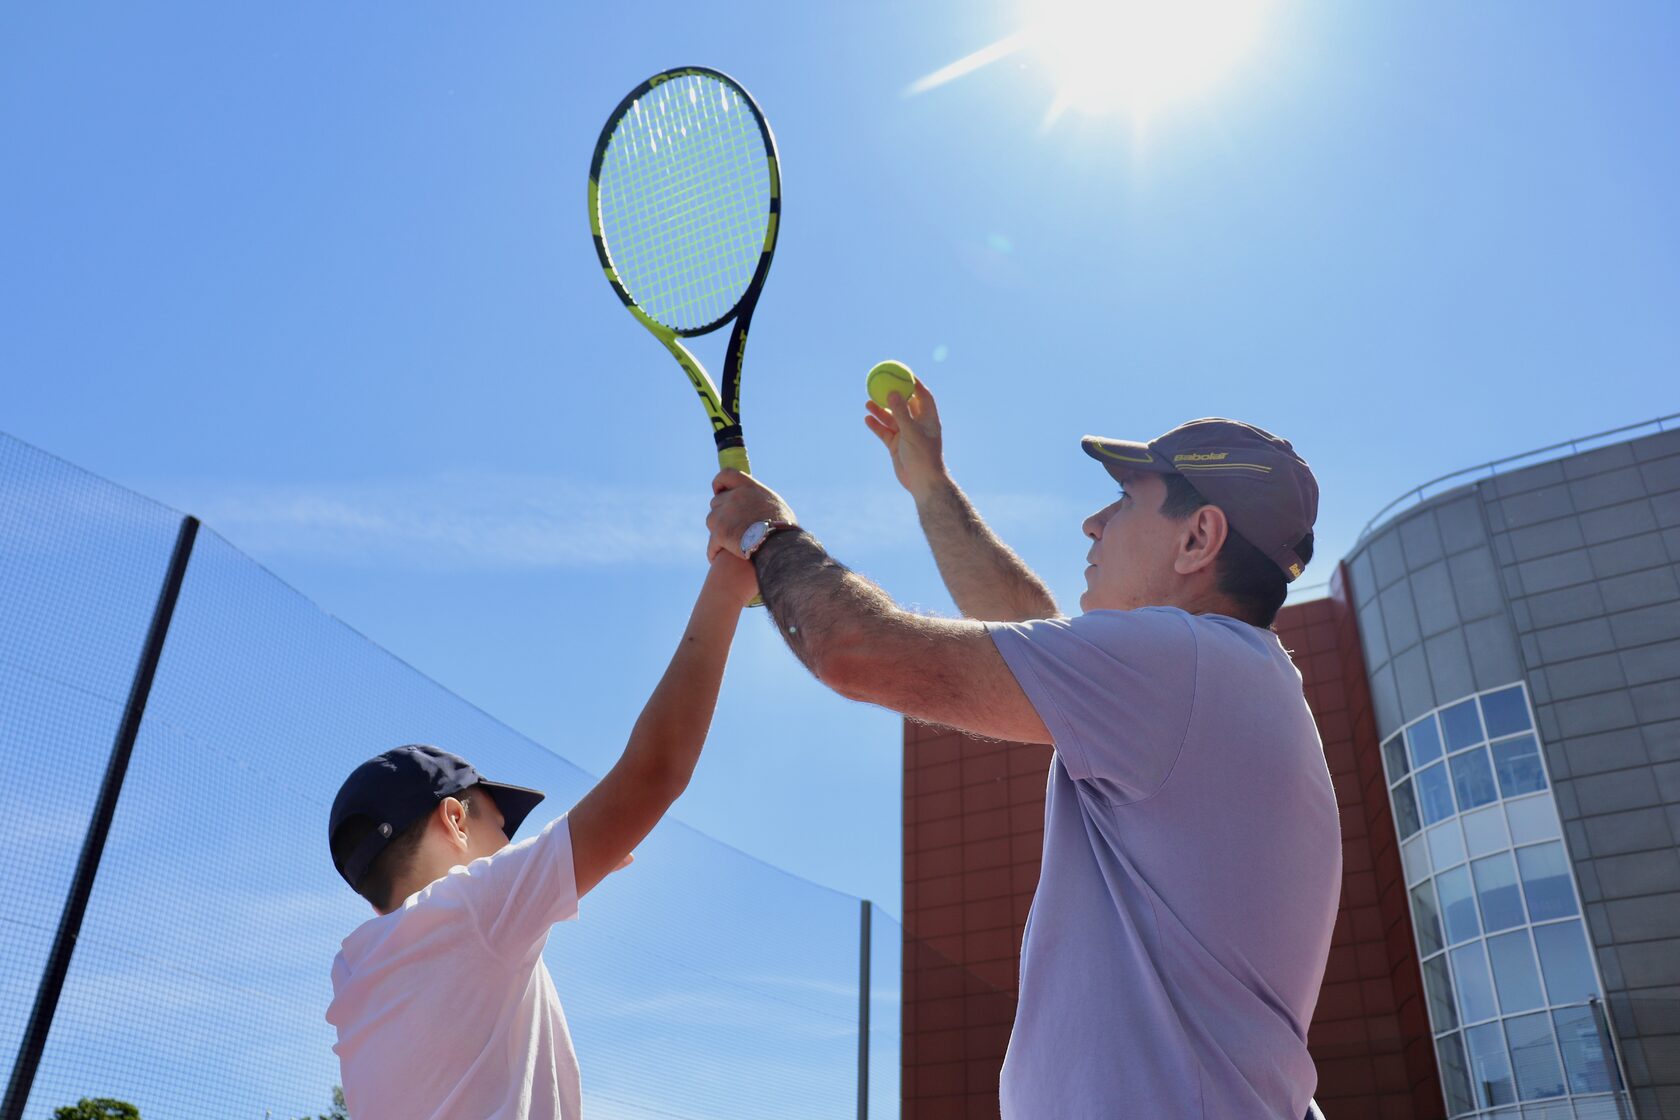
[[1267, 491], [399, 787]]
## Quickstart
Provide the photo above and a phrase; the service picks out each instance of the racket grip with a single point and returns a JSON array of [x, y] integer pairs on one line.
[[735, 459]]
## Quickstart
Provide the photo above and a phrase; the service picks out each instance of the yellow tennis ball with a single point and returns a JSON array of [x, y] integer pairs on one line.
[[888, 378]]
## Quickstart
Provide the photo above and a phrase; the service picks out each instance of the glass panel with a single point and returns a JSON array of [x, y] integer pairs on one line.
[[1461, 725], [1455, 1076], [1545, 877], [1446, 844], [1514, 974], [1394, 757], [1426, 919], [1425, 742], [1599, 1108], [1517, 762], [1405, 810], [1435, 793], [1414, 854], [1458, 906], [1533, 1057], [1566, 963], [1437, 984], [1506, 712], [1532, 818], [1496, 886], [1473, 779], [1584, 1059], [1484, 831], [1490, 1066], [1475, 990]]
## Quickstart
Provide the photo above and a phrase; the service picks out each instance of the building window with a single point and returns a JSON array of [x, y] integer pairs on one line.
[[1509, 977]]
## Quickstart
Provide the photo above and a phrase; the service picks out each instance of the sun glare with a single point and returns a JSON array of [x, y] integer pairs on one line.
[[1135, 56], [1122, 56]]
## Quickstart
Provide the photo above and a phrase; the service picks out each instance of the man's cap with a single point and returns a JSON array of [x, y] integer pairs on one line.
[[1267, 491], [397, 788]]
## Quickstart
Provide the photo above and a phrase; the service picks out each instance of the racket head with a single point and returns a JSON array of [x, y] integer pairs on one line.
[[685, 200]]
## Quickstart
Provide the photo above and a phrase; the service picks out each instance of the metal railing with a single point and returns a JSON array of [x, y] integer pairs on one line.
[[1527, 458]]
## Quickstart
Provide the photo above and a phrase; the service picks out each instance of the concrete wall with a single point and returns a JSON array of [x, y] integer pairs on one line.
[[1565, 575]]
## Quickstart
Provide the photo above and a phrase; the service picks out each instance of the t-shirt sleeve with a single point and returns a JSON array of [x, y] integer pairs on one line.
[[1114, 689], [522, 890]]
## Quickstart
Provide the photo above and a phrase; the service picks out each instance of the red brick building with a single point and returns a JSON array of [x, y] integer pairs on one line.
[[973, 828]]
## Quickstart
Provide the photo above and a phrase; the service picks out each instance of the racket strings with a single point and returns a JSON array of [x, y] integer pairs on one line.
[[684, 194], [692, 197]]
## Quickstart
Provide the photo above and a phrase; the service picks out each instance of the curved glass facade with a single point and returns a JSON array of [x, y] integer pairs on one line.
[[1512, 989]]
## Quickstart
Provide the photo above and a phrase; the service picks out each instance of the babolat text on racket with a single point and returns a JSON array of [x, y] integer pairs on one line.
[[684, 203]]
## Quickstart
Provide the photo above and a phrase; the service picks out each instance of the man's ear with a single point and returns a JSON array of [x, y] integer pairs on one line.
[[1204, 535]]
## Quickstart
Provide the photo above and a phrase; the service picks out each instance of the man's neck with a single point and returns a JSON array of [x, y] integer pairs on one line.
[[1206, 600]]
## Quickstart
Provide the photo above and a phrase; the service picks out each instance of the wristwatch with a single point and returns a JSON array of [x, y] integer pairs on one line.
[[759, 532]]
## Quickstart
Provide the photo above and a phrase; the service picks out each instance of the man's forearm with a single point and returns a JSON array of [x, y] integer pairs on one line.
[[813, 597], [985, 577]]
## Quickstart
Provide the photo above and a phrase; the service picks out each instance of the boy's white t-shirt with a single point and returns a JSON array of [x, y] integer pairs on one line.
[[444, 1007]]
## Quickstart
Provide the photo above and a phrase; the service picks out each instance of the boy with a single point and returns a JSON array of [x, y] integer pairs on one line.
[[442, 1003]]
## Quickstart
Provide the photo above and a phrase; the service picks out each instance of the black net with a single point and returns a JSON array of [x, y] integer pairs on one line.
[[698, 983]]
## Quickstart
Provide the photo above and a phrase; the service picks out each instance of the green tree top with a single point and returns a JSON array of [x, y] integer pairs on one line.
[[97, 1108]]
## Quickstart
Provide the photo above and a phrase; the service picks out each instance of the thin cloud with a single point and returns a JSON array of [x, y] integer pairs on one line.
[[501, 521]]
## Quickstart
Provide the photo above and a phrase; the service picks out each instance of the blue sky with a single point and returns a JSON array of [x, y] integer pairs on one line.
[[322, 276]]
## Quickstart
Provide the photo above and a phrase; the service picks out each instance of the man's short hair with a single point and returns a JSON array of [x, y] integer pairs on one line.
[[1244, 574], [380, 879]]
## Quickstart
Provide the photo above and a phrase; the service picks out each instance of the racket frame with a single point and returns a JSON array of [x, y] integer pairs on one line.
[[723, 408]]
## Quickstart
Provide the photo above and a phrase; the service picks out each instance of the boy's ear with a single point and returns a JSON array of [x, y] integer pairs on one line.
[[453, 814]]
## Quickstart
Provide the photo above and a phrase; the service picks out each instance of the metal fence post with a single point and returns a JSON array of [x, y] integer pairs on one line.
[[1607, 1041], [99, 828], [863, 1012]]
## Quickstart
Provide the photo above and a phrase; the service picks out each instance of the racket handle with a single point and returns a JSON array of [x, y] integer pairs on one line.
[[735, 459]]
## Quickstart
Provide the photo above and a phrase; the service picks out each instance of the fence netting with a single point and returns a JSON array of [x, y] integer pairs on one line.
[[698, 983]]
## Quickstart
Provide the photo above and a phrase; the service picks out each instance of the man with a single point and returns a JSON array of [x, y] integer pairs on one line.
[[1192, 854], [443, 1005]]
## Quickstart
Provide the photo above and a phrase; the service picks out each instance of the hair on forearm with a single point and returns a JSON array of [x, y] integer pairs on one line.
[[812, 596], [984, 575]]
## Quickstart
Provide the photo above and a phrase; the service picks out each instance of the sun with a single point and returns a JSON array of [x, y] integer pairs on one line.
[[1123, 56]]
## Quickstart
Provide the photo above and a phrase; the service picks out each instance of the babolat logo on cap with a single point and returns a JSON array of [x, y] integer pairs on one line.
[[1201, 457]]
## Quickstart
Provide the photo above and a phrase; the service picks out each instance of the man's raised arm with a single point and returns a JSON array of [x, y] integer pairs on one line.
[[985, 577], [857, 641]]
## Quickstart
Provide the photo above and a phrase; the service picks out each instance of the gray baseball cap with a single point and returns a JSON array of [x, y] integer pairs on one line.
[[1267, 491]]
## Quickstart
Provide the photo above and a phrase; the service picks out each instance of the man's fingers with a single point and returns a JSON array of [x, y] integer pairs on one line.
[[882, 415], [882, 432], [727, 479], [923, 407]]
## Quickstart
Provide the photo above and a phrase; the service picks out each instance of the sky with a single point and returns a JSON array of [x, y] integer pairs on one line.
[[322, 276]]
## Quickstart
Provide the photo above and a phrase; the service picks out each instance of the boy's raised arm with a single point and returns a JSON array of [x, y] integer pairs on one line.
[[611, 819]]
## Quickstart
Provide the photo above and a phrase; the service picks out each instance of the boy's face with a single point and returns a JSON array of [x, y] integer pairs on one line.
[[485, 826]]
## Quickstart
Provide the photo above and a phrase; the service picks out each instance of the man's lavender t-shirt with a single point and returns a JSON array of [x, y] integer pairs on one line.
[[1192, 863]]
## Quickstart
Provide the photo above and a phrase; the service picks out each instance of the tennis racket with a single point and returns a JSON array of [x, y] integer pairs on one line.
[[684, 202]]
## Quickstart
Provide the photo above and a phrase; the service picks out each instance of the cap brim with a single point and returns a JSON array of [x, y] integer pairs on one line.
[[515, 802], [1122, 455]]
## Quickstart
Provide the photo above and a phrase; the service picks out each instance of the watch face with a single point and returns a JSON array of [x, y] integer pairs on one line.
[[754, 536]]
